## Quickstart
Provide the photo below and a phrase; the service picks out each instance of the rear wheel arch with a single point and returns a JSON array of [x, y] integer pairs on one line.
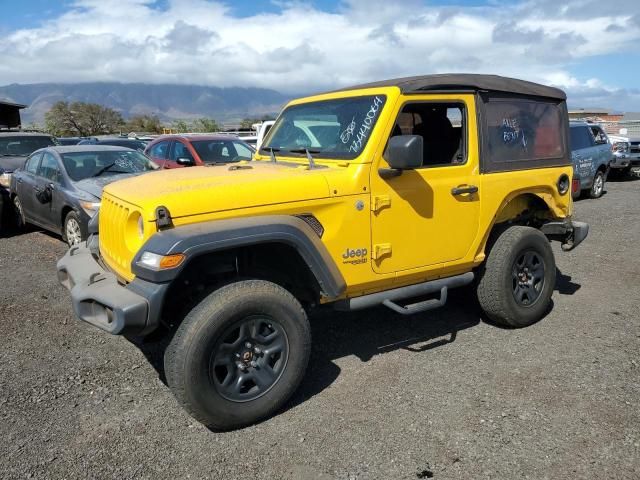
[[521, 208]]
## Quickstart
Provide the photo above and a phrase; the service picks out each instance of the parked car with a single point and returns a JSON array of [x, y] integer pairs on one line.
[[133, 143], [230, 260], [621, 161], [15, 146], [171, 151], [71, 140], [591, 156], [59, 188]]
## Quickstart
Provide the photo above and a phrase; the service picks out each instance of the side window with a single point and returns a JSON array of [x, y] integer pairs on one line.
[[160, 150], [242, 151], [442, 127], [32, 163], [180, 150], [599, 135], [580, 138], [523, 130], [49, 168]]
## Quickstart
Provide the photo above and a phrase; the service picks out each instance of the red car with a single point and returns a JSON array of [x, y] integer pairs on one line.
[[172, 151]]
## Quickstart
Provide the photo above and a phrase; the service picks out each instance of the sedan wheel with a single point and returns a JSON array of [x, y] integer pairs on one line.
[[72, 231]]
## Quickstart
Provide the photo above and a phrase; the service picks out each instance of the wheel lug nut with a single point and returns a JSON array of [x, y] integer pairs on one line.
[[254, 364], [257, 351], [237, 355], [241, 366], [248, 345]]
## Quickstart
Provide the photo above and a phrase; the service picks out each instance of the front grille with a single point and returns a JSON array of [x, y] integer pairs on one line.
[[112, 231]]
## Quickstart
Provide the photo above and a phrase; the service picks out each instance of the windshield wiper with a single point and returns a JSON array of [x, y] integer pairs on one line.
[[312, 164], [103, 169], [13, 154]]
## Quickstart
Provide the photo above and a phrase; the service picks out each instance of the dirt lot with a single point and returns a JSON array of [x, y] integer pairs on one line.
[[442, 395]]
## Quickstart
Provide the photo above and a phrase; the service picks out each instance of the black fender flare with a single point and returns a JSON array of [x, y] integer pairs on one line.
[[219, 235]]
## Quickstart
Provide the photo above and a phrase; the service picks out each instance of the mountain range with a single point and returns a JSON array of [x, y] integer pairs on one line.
[[169, 102]]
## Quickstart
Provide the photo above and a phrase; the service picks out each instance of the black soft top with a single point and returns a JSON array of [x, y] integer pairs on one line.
[[466, 81]]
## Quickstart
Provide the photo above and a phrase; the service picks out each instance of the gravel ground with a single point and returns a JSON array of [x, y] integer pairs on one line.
[[442, 395]]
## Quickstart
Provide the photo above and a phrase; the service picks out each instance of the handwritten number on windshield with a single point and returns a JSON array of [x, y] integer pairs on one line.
[[367, 123]]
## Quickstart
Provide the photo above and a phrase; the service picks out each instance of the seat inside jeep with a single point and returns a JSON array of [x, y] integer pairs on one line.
[[440, 125]]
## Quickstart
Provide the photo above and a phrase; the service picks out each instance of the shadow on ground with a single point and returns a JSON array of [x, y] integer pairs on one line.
[[368, 333]]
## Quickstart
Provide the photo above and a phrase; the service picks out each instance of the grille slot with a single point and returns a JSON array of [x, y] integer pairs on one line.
[[113, 223]]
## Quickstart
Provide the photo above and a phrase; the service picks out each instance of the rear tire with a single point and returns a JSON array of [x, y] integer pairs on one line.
[[239, 354], [597, 188], [21, 221], [517, 278]]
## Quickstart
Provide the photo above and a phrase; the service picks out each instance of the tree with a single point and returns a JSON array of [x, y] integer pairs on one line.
[[205, 125], [144, 123], [82, 119], [248, 122], [180, 126]]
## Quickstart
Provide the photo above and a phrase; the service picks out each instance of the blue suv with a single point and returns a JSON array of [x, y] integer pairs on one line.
[[591, 154]]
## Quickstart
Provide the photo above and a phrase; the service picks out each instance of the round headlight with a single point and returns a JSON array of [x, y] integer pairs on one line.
[[563, 184], [134, 231]]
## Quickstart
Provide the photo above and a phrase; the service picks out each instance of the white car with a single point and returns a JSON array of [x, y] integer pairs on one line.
[[623, 158]]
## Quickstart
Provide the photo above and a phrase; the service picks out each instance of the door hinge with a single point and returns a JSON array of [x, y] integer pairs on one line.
[[379, 202], [380, 250]]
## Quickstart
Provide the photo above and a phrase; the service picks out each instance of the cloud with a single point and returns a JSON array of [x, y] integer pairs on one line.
[[300, 48]]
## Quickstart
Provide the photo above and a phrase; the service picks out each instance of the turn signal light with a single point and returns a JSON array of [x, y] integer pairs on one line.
[[170, 261], [160, 262]]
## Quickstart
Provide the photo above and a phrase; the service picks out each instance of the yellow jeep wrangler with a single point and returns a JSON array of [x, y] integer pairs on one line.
[[389, 194]]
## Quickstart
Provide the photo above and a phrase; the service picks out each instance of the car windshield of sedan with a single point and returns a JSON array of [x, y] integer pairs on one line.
[[21, 146], [81, 165], [222, 151], [331, 129]]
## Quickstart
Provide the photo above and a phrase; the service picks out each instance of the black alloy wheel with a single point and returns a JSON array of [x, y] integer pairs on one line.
[[249, 358]]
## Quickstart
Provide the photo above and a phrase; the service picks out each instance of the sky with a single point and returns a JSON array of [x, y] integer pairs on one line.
[[589, 48]]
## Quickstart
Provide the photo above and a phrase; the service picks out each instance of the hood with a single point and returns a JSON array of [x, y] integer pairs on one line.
[[95, 185], [9, 164], [206, 189]]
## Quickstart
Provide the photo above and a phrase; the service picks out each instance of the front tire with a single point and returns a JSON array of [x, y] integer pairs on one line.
[[71, 229], [597, 188], [518, 277], [239, 354]]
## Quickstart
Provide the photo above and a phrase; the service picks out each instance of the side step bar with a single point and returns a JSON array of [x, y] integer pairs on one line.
[[389, 297]]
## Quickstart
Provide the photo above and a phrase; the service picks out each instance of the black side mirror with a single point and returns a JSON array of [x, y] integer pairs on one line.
[[404, 152], [187, 162]]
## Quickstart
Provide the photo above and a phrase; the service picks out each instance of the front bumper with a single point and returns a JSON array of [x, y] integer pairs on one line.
[[568, 232], [99, 299]]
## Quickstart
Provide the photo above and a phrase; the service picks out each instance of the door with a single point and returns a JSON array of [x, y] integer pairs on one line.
[[604, 150], [25, 185], [428, 216], [583, 154], [46, 205], [180, 151]]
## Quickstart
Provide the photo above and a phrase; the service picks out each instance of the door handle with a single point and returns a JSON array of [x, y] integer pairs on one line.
[[463, 190]]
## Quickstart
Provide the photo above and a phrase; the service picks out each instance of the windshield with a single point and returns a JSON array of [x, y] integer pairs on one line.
[[23, 145], [81, 165], [331, 129], [221, 151]]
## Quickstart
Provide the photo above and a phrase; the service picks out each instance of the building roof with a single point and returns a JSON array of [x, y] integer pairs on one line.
[[631, 116], [466, 81]]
